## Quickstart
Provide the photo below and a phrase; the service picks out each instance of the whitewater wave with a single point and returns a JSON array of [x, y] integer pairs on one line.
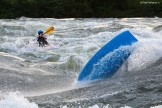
[[145, 53], [47, 75], [16, 100]]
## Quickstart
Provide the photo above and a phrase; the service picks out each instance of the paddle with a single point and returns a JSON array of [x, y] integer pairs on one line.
[[49, 30]]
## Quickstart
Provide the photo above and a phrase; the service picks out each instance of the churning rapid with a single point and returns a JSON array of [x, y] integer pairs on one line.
[[46, 77]]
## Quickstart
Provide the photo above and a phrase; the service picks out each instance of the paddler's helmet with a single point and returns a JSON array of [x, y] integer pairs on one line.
[[40, 31]]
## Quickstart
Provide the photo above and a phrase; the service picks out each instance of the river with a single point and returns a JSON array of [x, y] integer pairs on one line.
[[46, 77]]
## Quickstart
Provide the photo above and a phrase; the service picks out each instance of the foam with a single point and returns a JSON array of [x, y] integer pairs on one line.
[[159, 106], [145, 53], [16, 100], [97, 106]]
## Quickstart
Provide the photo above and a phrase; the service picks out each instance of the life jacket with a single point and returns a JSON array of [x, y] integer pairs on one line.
[[42, 41]]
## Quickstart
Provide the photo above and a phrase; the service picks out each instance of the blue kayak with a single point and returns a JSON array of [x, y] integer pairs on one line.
[[109, 58]]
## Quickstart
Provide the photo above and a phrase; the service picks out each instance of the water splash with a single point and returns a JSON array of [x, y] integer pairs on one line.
[[16, 100]]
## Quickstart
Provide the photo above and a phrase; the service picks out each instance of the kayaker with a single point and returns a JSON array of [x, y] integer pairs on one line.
[[41, 39]]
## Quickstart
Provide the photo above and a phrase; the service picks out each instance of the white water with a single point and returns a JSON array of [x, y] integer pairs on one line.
[[36, 71], [145, 53], [16, 100]]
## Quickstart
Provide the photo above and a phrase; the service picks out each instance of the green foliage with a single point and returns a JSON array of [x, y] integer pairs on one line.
[[80, 8]]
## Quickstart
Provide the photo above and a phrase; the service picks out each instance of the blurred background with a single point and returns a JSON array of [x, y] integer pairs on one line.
[[80, 8]]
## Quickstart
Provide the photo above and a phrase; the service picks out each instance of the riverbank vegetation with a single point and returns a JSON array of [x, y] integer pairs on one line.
[[80, 8]]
